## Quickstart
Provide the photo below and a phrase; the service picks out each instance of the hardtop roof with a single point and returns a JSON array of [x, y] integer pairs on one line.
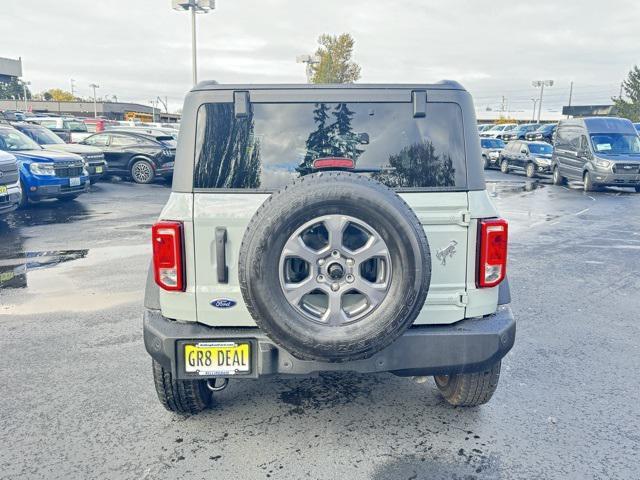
[[442, 85]]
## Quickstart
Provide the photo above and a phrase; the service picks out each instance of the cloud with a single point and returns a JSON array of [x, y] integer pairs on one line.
[[140, 49]]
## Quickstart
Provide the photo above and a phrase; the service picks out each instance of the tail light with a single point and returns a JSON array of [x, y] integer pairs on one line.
[[492, 252], [333, 162], [168, 267]]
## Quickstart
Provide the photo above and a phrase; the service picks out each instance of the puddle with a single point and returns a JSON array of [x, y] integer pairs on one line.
[[504, 189], [13, 271]]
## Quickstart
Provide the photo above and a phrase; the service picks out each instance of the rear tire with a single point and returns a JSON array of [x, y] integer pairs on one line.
[[530, 170], [558, 179], [142, 172], [485, 163], [180, 396], [469, 389], [637, 187], [504, 166]]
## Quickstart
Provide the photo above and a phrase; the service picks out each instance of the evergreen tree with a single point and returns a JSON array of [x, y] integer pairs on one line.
[[318, 143], [13, 89], [630, 108]]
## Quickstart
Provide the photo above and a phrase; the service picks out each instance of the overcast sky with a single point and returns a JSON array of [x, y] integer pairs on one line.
[[137, 49]]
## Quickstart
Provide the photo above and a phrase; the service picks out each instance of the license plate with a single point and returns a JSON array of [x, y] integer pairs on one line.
[[3, 189], [74, 182], [98, 169], [217, 358]]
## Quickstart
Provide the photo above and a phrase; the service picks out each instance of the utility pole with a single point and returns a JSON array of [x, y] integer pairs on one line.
[[73, 86], [95, 103], [541, 84], [195, 6], [570, 95], [621, 86]]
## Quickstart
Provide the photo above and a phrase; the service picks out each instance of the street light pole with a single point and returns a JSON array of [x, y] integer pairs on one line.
[[535, 101], [541, 84], [24, 90], [95, 103], [195, 6]]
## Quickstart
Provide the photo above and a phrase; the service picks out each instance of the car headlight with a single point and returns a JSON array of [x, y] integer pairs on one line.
[[42, 169], [544, 161], [603, 163], [493, 155]]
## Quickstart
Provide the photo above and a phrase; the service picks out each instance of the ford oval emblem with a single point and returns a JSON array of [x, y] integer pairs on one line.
[[223, 303]]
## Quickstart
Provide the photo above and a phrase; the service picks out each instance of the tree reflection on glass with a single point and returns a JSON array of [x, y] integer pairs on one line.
[[418, 165], [334, 140], [230, 155]]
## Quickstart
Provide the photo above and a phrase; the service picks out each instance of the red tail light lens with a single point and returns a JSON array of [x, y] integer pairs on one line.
[[333, 162], [167, 255], [492, 257]]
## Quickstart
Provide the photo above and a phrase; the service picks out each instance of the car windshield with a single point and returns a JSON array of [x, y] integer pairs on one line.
[[75, 126], [616, 143], [540, 149], [12, 140], [43, 136], [508, 128], [492, 143]]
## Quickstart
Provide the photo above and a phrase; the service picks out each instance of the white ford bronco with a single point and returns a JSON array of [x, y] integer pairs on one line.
[[318, 228]]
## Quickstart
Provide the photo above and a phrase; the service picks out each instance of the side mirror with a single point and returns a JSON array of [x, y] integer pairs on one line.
[[524, 151]]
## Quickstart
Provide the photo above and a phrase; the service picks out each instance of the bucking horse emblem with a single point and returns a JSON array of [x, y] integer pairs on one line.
[[449, 251]]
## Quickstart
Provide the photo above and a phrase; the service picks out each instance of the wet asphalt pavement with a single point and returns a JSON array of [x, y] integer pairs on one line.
[[78, 400]]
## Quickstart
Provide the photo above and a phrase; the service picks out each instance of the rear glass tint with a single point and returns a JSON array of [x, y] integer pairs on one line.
[[277, 143]]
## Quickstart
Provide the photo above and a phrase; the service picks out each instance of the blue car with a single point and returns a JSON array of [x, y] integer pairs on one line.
[[43, 173]]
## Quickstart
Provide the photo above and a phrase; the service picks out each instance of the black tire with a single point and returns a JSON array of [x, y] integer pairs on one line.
[[24, 200], [142, 172], [68, 198], [530, 170], [588, 184], [485, 162], [334, 193], [469, 389], [93, 181], [180, 396], [558, 179], [504, 165], [637, 187]]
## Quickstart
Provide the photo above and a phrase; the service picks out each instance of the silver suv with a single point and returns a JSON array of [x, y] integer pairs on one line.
[[327, 228]]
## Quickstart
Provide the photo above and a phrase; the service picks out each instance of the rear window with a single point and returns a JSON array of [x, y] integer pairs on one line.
[[277, 143]]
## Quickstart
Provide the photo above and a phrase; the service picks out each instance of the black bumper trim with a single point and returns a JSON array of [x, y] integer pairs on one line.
[[466, 346]]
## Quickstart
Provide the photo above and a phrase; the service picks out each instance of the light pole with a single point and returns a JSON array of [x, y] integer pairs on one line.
[[535, 101], [95, 104], [541, 84], [310, 60], [24, 90], [73, 86], [195, 6]]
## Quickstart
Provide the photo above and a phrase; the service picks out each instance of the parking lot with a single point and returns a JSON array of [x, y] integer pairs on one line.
[[78, 397]]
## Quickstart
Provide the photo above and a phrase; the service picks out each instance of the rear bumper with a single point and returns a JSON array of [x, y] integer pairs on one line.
[[54, 191], [10, 201], [467, 346]]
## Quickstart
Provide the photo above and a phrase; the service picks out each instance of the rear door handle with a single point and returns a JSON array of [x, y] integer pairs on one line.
[[221, 255]]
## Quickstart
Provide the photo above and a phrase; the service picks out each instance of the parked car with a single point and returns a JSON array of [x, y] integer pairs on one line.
[[491, 148], [600, 151], [44, 173], [637, 125], [93, 157], [10, 191], [72, 130], [497, 131], [543, 134], [138, 156], [534, 158], [154, 131], [313, 277], [484, 127], [520, 131], [96, 125]]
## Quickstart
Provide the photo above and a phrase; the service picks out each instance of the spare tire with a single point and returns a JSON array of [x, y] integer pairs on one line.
[[334, 267]]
